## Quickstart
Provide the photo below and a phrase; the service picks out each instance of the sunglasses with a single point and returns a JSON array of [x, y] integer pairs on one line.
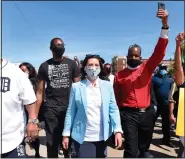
[[60, 45]]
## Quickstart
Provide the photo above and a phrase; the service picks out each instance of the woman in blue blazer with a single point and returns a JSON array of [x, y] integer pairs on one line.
[[92, 115]]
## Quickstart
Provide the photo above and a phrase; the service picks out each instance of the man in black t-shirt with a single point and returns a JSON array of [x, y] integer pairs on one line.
[[58, 73]]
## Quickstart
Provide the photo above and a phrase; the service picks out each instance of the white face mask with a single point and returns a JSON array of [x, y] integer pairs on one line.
[[92, 72]]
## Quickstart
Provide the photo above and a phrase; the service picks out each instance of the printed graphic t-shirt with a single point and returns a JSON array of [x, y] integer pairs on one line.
[[59, 77]]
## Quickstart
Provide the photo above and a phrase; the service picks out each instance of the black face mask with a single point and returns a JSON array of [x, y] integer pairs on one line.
[[134, 63], [107, 70], [58, 50]]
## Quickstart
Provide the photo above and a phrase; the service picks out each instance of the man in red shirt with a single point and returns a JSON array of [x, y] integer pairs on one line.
[[132, 91]]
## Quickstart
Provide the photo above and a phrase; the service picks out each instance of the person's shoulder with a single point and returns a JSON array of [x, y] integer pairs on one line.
[[68, 60], [9, 65], [111, 76], [106, 83], [21, 74], [14, 69], [156, 79], [17, 72], [157, 76], [77, 84], [47, 62]]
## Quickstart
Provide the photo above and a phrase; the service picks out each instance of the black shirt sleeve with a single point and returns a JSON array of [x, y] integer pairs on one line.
[[42, 73], [75, 71]]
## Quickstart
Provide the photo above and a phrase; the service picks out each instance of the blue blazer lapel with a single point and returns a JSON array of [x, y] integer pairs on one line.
[[83, 94]]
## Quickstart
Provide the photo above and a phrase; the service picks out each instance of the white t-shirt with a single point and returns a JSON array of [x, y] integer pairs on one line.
[[111, 78], [16, 91], [94, 127]]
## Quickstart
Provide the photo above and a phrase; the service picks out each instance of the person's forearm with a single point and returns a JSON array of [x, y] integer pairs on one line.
[[178, 60], [32, 111], [39, 102], [159, 52], [160, 48], [179, 74], [172, 90], [171, 108]]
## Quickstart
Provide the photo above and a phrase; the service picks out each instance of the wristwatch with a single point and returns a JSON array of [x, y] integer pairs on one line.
[[33, 121], [165, 26]]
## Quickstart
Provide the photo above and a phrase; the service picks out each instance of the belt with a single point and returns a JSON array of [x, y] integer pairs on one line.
[[141, 110]]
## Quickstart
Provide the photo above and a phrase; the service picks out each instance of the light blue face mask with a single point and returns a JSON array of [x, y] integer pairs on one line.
[[163, 72]]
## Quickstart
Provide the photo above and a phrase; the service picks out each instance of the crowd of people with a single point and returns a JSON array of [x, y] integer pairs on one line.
[[84, 107]]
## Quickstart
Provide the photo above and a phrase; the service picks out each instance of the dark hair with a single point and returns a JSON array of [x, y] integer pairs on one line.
[[107, 64], [134, 46], [85, 61], [32, 73], [52, 41], [102, 60]]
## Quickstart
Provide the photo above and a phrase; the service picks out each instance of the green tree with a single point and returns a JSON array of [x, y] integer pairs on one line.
[[113, 65], [114, 59]]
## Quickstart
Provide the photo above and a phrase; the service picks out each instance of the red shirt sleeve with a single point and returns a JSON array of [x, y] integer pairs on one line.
[[157, 56]]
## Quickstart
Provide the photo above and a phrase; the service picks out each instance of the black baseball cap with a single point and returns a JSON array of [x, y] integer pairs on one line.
[[162, 67]]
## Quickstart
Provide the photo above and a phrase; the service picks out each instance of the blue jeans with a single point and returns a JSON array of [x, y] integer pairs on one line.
[[88, 149]]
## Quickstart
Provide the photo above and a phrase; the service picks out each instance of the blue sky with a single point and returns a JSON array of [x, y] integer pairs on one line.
[[105, 28]]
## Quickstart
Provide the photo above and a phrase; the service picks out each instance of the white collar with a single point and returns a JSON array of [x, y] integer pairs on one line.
[[89, 84], [132, 68], [3, 63]]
